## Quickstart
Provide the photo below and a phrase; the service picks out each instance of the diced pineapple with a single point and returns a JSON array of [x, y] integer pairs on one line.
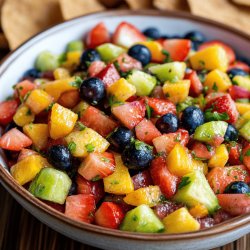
[[86, 141], [245, 131], [80, 108], [217, 80], [38, 133], [210, 58], [198, 211], [199, 165], [156, 50], [23, 116], [61, 73], [177, 91], [72, 59], [38, 100], [242, 81], [242, 107], [147, 195], [120, 181], [220, 158], [62, 121], [121, 90], [242, 120], [180, 221]]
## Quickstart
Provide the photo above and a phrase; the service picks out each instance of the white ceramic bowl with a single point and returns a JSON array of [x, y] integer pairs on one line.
[[55, 39]]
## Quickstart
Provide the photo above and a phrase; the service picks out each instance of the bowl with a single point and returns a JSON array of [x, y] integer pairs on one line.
[[55, 39]]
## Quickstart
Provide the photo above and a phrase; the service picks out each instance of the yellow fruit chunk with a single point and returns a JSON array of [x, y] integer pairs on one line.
[[212, 57], [242, 107], [62, 121], [80, 108], [38, 101], [120, 181], [177, 91], [121, 90], [25, 170], [147, 195], [217, 80], [23, 116], [38, 133], [220, 158], [180, 221], [72, 59], [85, 142], [242, 81], [198, 211], [61, 73], [156, 50], [199, 165]]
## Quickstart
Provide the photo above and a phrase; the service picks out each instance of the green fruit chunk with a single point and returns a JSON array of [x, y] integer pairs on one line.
[[74, 46], [173, 71], [142, 219], [242, 81], [51, 185], [245, 131], [208, 131], [109, 51], [194, 189], [143, 82], [46, 61]]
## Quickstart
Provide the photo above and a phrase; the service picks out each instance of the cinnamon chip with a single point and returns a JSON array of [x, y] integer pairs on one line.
[[171, 5], [139, 4]]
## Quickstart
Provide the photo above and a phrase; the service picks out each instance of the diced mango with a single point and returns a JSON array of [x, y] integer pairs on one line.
[[220, 158], [62, 121], [25, 170], [242, 120], [80, 108], [38, 133], [147, 195], [38, 100], [61, 73], [87, 141], [120, 181], [210, 58], [242, 81], [198, 211], [156, 50], [177, 91], [23, 116], [121, 90], [242, 107], [217, 80], [72, 59]]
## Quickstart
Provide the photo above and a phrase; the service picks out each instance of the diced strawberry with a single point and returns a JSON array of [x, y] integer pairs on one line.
[[127, 63], [130, 114], [22, 88], [132, 98], [109, 215], [127, 35], [237, 92], [217, 140], [142, 179], [118, 199], [158, 92], [178, 49], [202, 151], [24, 153], [229, 51], [220, 216], [246, 156], [234, 154], [146, 131], [166, 142], [219, 178], [7, 111], [166, 208], [69, 99], [14, 140], [235, 204], [239, 65], [97, 36], [162, 177], [80, 207], [97, 166], [109, 75], [213, 96], [95, 119], [224, 104], [206, 222], [56, 206], [196, 86], [95, 68]]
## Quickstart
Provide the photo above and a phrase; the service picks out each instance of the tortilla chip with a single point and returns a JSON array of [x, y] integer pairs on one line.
[[22, 19], [171, 5], [139, 4], [242, 2], [74, 8]]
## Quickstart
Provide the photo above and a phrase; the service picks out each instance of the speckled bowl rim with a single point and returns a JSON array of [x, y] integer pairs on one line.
[[9, 182]]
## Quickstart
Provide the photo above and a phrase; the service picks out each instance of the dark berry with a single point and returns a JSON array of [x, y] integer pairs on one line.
[[167, 123], [72, 189], [175, 36], [32, 73], [245, 60], [89, 56], [92, 90], [140, 53], [152, 32], [192, 117], [237, 187], [195, 36], [236, 72], [231, 133], [10, 126], [165, 36]]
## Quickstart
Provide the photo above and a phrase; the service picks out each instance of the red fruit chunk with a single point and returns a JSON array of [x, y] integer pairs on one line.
[[142, 179], [69, 99], [95, 68], [26, 152], [52, 142], [162, 177], [48, 75], [237, 92], [196, 86], [229, 51], [14, 140], [158, 93], [118, 199], [201, 151], [206, 222], [235, 204], [166, 208], [246, 156], [7, 111], [22, 88], [220, 216], [80, 207], [239, 65], [95, 119], [127, 63], [109, 215], [234, 154], [56, 206], [130, 114], [97, 36]]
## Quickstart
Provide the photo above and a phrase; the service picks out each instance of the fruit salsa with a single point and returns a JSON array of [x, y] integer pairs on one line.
[[136, 131]]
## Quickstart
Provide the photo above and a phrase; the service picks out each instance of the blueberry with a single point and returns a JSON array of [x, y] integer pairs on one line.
[[72, 189], [236, 72], [152, 32], [195, 36], [32, 73], [192, 117], [231, 133], [138, 155], [245, 60], [89, 56], [167, 123], [92, 90], [120, 138], [237, 187], [10, 126], [59, 156], [140, 53]]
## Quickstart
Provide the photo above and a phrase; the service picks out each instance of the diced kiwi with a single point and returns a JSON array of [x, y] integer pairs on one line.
[[46, 61], [109, 51], [74, 46], [245, 131]]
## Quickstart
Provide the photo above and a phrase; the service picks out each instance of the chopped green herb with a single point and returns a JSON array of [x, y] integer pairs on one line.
[[139, 145], [135, 218], [77, 82], [178, 138], [215, 116], [96, 178], [72, 147], [163, 198], [90, 148], [113, 101], [160, 154], [209, 148], [104, 159], [247, 153], [62, 58], [241, 157], [149, 111], [184, 182], [205, 89], [168, 58], [25, 97], [202, 63], [28, 113], [80, 126], [215, 87], [114, 182], [167, 95], [49, 107], [195, 157]]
